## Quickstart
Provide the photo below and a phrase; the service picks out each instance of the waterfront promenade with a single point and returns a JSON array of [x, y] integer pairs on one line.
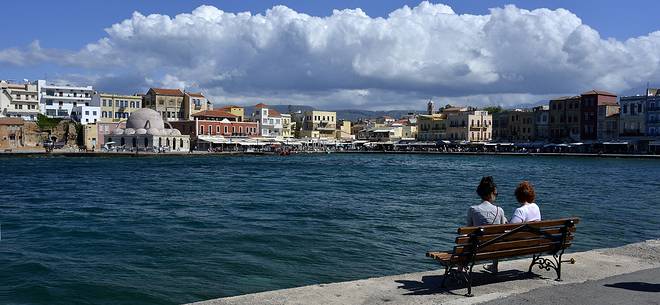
[[623, 275], [35, 153]]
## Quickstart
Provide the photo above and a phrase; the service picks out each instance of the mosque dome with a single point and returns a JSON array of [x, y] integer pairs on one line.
[[154, 131], [118, 131], [129, 131], [145, 118], [140, 131]]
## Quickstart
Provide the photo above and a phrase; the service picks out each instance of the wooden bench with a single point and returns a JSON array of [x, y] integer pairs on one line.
[[489, 242]]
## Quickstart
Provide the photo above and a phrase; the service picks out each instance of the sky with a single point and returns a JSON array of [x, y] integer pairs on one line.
[[376, 55]]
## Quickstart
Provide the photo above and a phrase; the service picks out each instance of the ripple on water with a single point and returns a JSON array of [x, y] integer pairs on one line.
[[175, 230]]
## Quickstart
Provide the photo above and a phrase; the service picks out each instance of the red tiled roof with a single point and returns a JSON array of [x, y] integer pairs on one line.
[[598, 92], [162, 91], [214, 114], [274, 113], [11, 121], [261, 105], [231, 106], [196, 94]]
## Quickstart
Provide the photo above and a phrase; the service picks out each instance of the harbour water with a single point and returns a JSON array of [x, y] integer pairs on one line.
[[167, 230]]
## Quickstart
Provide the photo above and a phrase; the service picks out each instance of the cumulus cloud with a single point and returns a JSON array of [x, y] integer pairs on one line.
[[350, 58]]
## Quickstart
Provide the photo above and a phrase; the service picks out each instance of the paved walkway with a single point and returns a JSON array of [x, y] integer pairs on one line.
[[641, 287], [513, 282]]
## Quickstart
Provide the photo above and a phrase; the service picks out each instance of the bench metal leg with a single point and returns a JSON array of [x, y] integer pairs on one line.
[[444, 278], [469, 281], [547, 264]]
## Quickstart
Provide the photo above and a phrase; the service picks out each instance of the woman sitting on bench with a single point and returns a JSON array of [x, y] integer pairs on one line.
[[528, 210], [486, 213]]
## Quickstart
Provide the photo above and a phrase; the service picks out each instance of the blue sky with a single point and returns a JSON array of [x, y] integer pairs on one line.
[[86, 19], [68, 26]]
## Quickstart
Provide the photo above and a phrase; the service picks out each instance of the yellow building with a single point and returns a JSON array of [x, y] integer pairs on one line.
[[194, 103], [287, 126], [431, 127], [472, 126], [117, 107], [344, 130], [90, 132], [319, 124], [167, 102], [235, 110]]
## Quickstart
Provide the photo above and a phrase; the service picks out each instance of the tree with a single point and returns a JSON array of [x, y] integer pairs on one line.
[[493, 109]]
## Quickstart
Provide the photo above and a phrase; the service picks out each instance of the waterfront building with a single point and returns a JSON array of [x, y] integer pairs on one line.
[[116, 107], [194, 103], [215, 126], [608, 122], [653, 112], [319, 124], [167, 102], [633, 117], [58, 101], [86, 114], [103, 129], [270, 121], [521, 125], [542, 122], [565, 118], [589, 103], [287, 125], [469, 125], [145, 130], [238, 111], [11, 132], [344, 130], [90, 133], [501, 126], [19, 101], [432, 127], [384, 134]]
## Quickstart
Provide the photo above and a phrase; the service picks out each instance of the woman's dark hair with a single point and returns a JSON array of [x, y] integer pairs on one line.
[[486, 187], [525, 192]]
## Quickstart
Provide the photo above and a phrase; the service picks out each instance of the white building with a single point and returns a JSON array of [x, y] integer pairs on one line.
[[270, 121], [58, 101], [86, 114], [19, 101]]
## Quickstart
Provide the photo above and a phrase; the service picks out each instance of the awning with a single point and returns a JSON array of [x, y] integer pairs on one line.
[[212, 139], [619, 143]]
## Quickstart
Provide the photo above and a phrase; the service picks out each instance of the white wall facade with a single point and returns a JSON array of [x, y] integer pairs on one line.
[[58, 101]]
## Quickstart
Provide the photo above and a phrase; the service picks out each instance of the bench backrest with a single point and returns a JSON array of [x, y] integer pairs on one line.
[[509, 240]]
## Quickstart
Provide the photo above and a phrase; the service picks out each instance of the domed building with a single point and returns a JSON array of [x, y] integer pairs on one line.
[[145, 130]]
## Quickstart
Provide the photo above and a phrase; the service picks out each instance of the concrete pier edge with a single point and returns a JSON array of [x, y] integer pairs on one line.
[[424, 287]]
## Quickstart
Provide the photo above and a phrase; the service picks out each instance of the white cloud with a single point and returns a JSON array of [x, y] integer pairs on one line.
[[351, 59]]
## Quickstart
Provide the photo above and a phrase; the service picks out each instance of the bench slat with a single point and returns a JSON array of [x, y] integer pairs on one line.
[[515, 236], [508, 245], [517, 252], [493, 229]]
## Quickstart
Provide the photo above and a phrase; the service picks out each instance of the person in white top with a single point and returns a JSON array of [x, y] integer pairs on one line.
[[528, 210]]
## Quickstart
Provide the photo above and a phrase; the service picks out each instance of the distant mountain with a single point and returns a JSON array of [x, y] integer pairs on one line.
[[348, 114], [355, 115]]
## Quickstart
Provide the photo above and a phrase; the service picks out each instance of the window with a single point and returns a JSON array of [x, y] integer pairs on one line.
[[86, 112], [226, 129], [201, 129], [209, 129], [217, 129], [93, 112]]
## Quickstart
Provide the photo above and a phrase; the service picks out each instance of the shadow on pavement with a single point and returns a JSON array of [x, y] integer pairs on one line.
[[432, 284], [636, 286]]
